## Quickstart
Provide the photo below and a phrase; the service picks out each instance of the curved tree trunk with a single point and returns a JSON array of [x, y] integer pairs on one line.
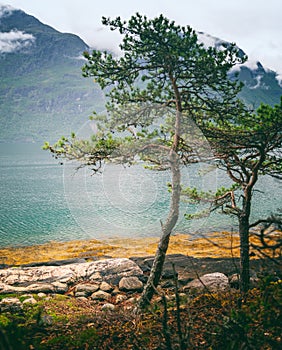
[[174, 162], [157, 268]]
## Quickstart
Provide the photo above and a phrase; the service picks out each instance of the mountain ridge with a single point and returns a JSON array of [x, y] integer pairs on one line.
[[43, 94]]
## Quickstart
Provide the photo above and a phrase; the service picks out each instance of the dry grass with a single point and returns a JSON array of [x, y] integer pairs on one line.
[[216, 245]]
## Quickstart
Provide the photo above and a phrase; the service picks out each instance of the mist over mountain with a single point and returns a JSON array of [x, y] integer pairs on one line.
[[261, 85], [43, 94]]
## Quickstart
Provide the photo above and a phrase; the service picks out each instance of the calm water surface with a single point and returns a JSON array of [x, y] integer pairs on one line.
[[43, 201]]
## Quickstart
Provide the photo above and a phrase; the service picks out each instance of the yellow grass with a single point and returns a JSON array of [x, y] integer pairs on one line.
[[216, 245]]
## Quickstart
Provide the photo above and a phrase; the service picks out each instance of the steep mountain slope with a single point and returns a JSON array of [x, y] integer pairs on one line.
[[43, 94], [260, 84]]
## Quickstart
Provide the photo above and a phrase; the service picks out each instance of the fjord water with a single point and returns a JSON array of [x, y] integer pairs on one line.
[[43, 201]]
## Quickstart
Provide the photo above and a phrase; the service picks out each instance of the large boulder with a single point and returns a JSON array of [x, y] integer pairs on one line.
[[112, 270], [87, 288], [130, 284], [58, 279], [211, 282], [101, 295]]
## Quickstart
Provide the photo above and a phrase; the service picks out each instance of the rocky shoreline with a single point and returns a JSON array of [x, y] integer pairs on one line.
[[113, 280], [113, 273]]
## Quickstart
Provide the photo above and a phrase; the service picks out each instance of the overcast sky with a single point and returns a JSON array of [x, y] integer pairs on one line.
[[255, 25]]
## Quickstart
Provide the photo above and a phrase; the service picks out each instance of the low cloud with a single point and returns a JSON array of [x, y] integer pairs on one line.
[[279, 79], [15, 40], [6, 10]]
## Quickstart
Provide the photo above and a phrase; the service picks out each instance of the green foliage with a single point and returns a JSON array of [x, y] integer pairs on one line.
[[4, 321], [163, 69], [256, 324], [245, 149], [82, 339], [223, 320], [158, 52]]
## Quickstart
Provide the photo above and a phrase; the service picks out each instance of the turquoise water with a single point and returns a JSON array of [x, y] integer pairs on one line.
[[43, 201]]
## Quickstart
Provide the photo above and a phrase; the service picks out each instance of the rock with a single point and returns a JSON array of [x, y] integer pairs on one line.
[[60, 287], [115, 291], [234, 281], [120, 298], [30, 301], [96, 277], [87, 288], [160, 299], [254, 281], [130, 284], [168, 284], [10, 300], [112, 270], [56, 262], [40, 287], [57, 279], [41, 295], [10, 304], [188, 267], [84, 299], [100, 295], [80, 294], [108, 307], [212, 282], [168, 273], [106, 287], [41, 274], [132, 300]]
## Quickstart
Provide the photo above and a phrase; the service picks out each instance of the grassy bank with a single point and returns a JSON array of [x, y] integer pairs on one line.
[[220, 244], [216, 245]]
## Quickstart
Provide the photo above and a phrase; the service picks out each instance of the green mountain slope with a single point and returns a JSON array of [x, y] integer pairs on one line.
[[42, 92]]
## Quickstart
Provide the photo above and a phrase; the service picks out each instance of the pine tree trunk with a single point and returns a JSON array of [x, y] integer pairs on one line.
[[244, 219], [244, 254], [157, 268]]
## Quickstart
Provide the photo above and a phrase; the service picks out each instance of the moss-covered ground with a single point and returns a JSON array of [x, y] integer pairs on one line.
[[225, 320]]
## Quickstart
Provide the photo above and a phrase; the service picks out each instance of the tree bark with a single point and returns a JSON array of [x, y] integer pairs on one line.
[[157, 268], [244, 254], [244, 222]]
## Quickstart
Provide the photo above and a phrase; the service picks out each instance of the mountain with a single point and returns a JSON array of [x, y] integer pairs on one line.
[[261, 85], [43, 94]]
